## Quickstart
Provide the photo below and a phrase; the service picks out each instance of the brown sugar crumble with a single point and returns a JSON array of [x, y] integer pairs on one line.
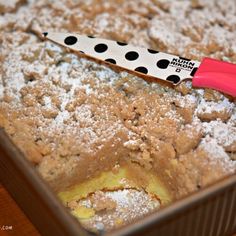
[[69, 115]]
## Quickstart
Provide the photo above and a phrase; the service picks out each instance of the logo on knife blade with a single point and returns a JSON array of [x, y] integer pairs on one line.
[[182, 63]]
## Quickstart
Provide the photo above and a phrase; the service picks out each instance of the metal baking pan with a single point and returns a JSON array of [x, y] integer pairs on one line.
[[208, 212]]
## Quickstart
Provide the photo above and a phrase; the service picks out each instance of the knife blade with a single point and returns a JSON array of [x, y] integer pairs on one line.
[[209, 73]]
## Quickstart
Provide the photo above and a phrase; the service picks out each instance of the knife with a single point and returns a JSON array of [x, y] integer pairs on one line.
[[209, 73]]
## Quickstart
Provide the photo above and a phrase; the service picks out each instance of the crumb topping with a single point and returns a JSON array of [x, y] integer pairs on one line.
[[61, 109]]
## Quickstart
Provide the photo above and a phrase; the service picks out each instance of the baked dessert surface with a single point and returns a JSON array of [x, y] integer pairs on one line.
[[74, 118]]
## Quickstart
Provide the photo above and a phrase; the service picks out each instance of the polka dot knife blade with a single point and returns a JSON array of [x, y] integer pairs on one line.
[[209, 73]]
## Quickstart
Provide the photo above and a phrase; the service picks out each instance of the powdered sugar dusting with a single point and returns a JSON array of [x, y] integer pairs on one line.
[[208, 107], [224, 134], [72, 109], [218, 154], [130, 205]]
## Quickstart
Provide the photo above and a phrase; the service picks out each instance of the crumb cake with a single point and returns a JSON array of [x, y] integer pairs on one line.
[[111, 145]]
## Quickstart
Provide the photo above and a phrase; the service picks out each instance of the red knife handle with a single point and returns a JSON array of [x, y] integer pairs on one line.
[[217, 75]]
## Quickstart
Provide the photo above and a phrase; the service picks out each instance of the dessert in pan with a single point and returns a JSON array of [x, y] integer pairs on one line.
[[113, 146], [210, 72]]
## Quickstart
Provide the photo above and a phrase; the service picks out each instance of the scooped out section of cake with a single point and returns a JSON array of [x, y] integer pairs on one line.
[[116, 197]]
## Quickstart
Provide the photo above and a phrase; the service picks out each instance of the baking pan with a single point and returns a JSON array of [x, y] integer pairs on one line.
[[208, 212], [32, 194]]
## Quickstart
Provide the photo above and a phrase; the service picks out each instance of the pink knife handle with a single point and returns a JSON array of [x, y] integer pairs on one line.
[[217, 75]]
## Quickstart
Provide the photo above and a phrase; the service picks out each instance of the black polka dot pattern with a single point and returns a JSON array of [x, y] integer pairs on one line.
[[110, 60], [141, 69], [163, 63], [121, 43], [70, 40], [152, 51], [146, 61], [173, 78], [131, 56], [100, 48]]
